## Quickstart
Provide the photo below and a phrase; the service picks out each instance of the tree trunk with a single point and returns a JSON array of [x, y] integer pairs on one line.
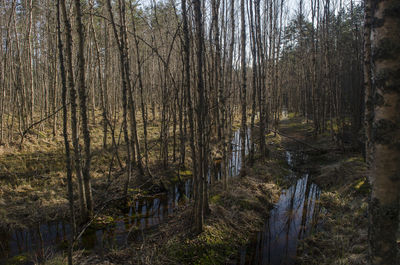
[[144, 113], [74, 121], [201, 112], [385, 128], [65, 134], [83, 108], [243, 128], [122, 59]]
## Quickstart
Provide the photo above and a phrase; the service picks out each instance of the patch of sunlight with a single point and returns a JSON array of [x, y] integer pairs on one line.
[[215, 199], [354, 159], [362, 186], [186, 173], [16, 260], [359, 184]]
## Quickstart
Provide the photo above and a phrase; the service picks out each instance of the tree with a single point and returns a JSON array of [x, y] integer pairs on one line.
[[65, 134], [243, 127], [120, 40], [385, 163], [201, 112], [83, 108], [74, 121], [186, 54]]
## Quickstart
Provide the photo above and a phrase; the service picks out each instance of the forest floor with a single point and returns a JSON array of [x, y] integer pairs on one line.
[[236, 214], [33, 190], [341, 175], [33, 186]]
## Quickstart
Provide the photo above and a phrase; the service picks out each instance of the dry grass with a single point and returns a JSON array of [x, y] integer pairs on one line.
[[342, 237], [235, 215], [33, 188], [33, 184], [33, 179]]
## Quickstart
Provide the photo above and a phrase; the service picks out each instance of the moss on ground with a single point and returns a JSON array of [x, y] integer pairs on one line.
[[33, 178], [235, 215], [18, 260], [342, 235], [36, 191]]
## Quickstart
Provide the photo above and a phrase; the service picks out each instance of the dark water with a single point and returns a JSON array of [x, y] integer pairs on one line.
[[293, 217], [144, 213], [39, 238]]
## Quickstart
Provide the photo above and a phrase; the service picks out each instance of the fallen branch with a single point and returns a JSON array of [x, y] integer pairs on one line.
[[38, 122]]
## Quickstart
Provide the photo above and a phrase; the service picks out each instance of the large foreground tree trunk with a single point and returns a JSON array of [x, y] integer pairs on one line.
[[385, 152]]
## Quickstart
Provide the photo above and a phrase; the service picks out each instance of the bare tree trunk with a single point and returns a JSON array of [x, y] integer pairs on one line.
[[102, 89], [65, 133], [30, 74], [122, 59], [74, 122], [243, 128], [130, 90], [254, 82], [385, 152], [144, 113], [201, 177], [261, 85], [83, 108], [186, 51], [369, 101]]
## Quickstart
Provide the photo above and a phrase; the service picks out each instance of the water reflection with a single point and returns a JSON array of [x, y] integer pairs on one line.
[[235, 161], [40, 239], [292, 218], [144, 213]]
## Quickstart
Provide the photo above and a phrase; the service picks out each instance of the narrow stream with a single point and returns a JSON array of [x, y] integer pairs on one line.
[[144, 214], [292, 218]]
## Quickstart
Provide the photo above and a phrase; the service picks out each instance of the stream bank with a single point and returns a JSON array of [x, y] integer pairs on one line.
[[115, 230], [236, 215], [246, 211], [342, 235], [242, 216]]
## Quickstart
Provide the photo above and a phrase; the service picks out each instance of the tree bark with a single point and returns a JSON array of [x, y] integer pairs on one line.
[[65, 134], [385, 132], [243, 128], [201, 112], [83, 108], [74, 121]]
